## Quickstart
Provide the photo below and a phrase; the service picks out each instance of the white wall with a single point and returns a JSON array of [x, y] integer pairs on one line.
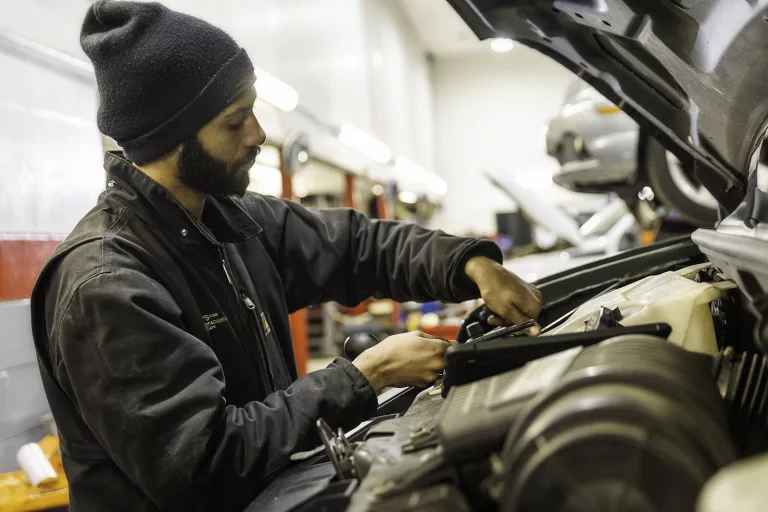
[[354, 61], [399, 82], [491, 112]]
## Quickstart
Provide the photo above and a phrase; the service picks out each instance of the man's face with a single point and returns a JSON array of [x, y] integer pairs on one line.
[[218, 159]]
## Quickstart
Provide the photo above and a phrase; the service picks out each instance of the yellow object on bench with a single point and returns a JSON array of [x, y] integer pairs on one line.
[[17, 494]]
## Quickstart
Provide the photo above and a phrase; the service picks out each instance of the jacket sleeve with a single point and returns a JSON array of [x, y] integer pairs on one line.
[[342, 255], [153, 396]]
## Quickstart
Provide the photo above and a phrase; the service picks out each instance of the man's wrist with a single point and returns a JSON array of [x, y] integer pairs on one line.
[[372, 369], [476, 266]]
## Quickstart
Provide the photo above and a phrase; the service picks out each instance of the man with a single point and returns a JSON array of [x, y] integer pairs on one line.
[[161, 323]]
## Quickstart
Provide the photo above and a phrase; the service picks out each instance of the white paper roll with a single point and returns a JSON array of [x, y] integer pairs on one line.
[[35, 465]]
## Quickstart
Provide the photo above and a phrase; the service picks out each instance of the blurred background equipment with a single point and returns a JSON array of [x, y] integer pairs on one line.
[[601, 149], [365, 106]]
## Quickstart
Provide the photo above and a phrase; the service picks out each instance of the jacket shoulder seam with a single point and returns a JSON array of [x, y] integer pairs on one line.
[[121, 218]]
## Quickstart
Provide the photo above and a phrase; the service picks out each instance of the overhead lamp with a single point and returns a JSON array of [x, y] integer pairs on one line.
[[408, 197], [276, 92], [436, 184], [502, 44], [364, 143], [377, 189], [302, 157], [408, 169]]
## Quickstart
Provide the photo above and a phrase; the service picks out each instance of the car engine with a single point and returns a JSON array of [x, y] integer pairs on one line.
[[644, 383]]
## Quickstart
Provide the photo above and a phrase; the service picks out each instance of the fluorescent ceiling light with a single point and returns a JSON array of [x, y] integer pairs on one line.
[[501, 44], [276, 92], [408, 169], [436, 184], [364, 143], [406, 196]]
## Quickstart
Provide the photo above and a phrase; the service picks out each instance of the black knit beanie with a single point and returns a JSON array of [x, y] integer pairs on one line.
[[162, 75]]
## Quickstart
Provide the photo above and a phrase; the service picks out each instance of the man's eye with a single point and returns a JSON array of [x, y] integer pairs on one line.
[[235, 127]]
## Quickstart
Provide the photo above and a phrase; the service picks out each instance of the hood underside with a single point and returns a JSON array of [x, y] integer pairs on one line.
[[692, 73]]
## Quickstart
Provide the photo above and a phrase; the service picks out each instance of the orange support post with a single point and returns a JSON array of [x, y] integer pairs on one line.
[[349, 199], [299, 333]]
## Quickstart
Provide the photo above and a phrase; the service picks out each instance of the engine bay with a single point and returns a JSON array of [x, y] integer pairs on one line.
[[643, 384]]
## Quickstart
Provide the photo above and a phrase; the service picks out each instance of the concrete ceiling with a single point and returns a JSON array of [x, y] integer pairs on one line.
[[441, 30]]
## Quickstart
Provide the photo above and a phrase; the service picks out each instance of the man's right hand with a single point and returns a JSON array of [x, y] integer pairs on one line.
[[410, 359]]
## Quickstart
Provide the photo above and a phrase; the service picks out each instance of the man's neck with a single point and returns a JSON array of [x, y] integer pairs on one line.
[[163, 173]]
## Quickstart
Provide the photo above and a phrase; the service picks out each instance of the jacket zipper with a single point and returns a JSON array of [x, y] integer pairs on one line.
[[242, 298], [256, 316]]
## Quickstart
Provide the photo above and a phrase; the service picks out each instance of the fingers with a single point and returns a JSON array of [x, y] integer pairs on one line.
[[533, 331], [430, 336], [497, 321]]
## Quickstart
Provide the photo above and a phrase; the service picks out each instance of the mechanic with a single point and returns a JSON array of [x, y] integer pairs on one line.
[[161, 323]]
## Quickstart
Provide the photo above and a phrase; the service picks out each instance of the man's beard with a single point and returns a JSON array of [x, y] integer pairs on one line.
[[201, 171]]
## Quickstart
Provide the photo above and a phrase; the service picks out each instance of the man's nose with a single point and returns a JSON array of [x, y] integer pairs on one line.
[[255, 134]]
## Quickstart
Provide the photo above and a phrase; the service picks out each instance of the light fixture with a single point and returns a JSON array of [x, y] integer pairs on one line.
[[436, 184], [276, 92], [502, 44], [564, 256], [409, 170], [302, 157], [408, 197], [364, 143], [378, 189]]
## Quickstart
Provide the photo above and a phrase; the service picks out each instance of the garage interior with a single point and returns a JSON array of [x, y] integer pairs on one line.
[[612, 150]]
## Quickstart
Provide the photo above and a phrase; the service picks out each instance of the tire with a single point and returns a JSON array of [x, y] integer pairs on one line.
[[676, 188]]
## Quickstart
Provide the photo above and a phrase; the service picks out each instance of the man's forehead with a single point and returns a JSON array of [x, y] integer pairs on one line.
[[246, 99]]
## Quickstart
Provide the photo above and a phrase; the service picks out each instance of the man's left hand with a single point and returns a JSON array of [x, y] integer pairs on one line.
[[510, 299]]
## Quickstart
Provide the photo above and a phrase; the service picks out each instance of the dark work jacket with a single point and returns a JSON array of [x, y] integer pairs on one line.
[[164, 342]]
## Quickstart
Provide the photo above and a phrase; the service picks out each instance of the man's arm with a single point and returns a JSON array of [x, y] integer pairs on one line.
[[341, 255], [153, 396]]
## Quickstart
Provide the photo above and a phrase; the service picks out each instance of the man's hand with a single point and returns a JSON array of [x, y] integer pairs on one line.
[[410, 359], [510, 299]]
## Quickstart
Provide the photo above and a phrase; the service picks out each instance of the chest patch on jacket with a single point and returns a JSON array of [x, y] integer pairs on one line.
[[212, 320], [265, 324]]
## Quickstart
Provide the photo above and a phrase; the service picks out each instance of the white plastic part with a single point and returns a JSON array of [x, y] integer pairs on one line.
[[672, 298], [35, 465]]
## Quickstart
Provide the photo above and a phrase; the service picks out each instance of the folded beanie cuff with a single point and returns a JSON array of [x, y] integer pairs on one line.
[[229, 82]]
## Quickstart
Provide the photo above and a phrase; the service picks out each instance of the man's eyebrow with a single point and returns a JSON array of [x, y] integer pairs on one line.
[[238, 111]]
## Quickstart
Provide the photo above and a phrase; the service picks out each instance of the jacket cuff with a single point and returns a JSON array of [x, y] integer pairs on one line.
[[366, 400], [462, 287]]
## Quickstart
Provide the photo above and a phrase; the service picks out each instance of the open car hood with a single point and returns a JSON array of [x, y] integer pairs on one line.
[[692, 73]]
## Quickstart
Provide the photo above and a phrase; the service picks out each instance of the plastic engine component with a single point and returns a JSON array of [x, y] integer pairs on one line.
[[743, 382], [613, 435]]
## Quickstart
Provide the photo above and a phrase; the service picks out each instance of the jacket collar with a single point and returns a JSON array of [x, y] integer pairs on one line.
[[224, 218]]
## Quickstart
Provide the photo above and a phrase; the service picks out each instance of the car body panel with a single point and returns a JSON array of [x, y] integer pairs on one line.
[[609, 138], [691, 73]]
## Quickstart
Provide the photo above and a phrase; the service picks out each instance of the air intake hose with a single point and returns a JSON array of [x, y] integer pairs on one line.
[[635, 424]]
